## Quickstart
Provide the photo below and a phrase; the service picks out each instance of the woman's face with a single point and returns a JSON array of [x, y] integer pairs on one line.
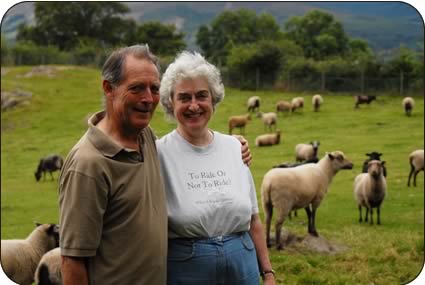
[[192, 104]]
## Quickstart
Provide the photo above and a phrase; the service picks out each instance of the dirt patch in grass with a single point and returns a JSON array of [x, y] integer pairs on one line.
[[296, 243], [43, 70]]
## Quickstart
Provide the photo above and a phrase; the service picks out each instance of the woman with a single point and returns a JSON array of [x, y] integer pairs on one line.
[[215, 233]]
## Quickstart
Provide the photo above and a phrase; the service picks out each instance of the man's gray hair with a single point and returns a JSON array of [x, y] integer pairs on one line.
[[188, 65], [112, 70]]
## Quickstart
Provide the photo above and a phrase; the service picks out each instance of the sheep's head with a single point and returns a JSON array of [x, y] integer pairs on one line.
[[315, 145], [339, 161], [52, 232], [37, 176], [375, 168]]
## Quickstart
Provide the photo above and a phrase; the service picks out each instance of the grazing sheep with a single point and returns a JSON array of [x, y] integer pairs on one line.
[[20, 258], [269, 120], [283, 106], [304, 186], [362, 99], [297, 103], [373, 156], [49, 164], [253, 104], [370, 189], [416, 160], [316, 101], [48, 271], [238, 122], [295, 164], [305, 151], [408, 104], [268, 139]]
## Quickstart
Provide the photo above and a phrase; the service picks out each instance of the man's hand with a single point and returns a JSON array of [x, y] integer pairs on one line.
[[246, 154]]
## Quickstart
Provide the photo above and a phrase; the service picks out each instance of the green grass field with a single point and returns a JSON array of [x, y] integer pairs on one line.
[[392, 253]]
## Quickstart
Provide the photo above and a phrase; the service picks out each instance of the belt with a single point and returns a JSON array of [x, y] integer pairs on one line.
[[208, 239]]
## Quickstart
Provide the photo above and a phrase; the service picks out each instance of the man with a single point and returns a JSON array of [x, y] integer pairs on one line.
[[112, 205]]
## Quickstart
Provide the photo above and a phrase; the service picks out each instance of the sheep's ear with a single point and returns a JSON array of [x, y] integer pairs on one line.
[[382, 163], [37, 224], [331, 156]]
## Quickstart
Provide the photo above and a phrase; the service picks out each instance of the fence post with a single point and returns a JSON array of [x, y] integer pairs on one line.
[[323, 77], [401, 82], [257, 78]]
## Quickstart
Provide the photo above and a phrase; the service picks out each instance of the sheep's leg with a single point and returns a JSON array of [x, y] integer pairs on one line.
[[279, 222], [378, 212], [367, 215], [308, 211], [414, 177], [313, 223], [412, 169], [268, 213], [51, 176], [360, 211], [311, 214], [371, 216]]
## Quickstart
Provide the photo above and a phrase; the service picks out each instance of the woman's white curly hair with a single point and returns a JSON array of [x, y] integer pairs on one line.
[[189, 65]]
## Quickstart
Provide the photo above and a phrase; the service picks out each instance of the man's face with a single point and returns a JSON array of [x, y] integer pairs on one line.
[[134, 100]]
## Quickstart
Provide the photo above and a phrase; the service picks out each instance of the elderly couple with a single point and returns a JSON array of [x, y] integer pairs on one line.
[[178, 210]]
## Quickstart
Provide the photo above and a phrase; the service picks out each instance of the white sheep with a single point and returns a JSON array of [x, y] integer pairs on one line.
[[416, 161], [238, 122], [49, 268], [253, 104], [283, 106], [408, 104], [305, 151], [269, 119], [268, 139], [317, 101], [20, 258], [297, 103], [370, 189], [304, 186]]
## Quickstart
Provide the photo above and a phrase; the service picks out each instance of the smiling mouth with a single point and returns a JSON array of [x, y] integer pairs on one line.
[[192, 115]]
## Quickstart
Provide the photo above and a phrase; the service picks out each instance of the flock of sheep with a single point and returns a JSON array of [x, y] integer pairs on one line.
[[288, 187]]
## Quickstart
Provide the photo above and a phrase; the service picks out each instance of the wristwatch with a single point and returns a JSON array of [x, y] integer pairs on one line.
[[264, 272]]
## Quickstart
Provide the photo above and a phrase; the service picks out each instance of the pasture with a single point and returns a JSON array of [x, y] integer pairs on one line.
[[392, 253]]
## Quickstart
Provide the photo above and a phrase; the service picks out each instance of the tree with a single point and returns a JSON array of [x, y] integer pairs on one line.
[[163, 39], [318, 34], [64, 23], [233, 28]]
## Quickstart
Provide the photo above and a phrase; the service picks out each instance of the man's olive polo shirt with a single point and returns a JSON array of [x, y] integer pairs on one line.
[[113, 209]]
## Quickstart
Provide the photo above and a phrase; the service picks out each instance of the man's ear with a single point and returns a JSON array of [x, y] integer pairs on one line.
[[107, 88]]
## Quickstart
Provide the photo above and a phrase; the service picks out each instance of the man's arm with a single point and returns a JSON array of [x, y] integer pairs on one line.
[[74, 271], [246, 154]]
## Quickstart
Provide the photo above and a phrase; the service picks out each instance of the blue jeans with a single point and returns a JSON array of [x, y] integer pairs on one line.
[[222, 260]]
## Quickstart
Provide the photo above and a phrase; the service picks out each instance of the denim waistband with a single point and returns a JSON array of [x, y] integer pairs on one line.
[[211, 239]]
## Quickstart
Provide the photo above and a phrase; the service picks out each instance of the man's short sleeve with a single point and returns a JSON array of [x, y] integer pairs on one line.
[[82, 202]]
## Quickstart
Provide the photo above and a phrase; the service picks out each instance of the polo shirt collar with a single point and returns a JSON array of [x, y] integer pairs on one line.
[[101, 141]]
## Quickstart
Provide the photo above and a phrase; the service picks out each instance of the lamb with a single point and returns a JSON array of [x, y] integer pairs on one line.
[[253, 104], [373, 156], [283, 106], [19, 258], [268, 139], [408, 104], [304, 186], [362, 99], [306, 151], [316, 101], [370, 189], [48, 271], [296, 103], [49, 164], [269, 119], [238, 122], [416, 160]]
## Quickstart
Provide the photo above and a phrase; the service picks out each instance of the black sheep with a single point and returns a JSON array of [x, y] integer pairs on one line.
[[373, 156], [362, 99], [49, 164]]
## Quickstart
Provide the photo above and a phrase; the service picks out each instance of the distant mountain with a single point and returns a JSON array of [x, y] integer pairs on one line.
[[385, 25]]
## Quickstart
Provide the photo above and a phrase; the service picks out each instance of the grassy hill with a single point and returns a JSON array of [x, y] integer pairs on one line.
[[392, 253]]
